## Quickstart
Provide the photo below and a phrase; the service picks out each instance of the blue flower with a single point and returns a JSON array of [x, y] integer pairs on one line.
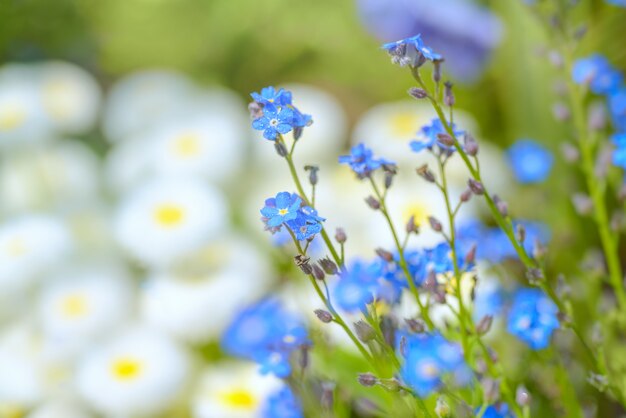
[[621, 3], [280, 209], [283, 404], [361, 160], [430, 357], [306, 224], [500, 410], [411, 51], [597, 72], [275, 120], [353, 290], [531, 163], [269, 95], [533, 318], [429, 137], [267, 333], [617, 107], [619, 155]]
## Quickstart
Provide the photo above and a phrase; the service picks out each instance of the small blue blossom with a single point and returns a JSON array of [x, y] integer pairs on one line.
[[283, 404], [269, 95], [621, 3], [428, 137], [361, 160], [619, 154], [533, 318], [500, 410], [266, 333], [411, 51], [597, 72], [353, 290], [531, 163], [275, 120], [430, 357], [617, 107], [306, 224], [280, 209]]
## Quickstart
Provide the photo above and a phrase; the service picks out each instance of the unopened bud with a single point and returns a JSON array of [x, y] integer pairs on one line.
[[476, 187], [603, 161], [318, 273], [555, 58], [430, 282], [522, 396], [312, 169], [597, 116], [411, 226], [570, 152], [470, 256], [442, 409], [323, 315], [491, 390], [534, 276], [448, 97], [501, 205], [364, 331], [561, 112], [470, 144], [303, 360], [384, 254], [297, 132], [340, 236], [328, 395], [403, 346], [256, 110], [367, 379], [388, 179], [328, 266], [439, 296], [417, 93], [416, 326], [302, 261], [425, 173], [520, 233], [466, 195], [437, 71], [435, 224], [372, 202], [445, 139], [582, 203], [280, 148], [484, 325]]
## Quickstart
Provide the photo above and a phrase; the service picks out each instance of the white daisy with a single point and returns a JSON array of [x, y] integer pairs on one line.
[[60, 409], [80, 306], [232, 390], [30, 245], [140, 373], [141, 99], [168, 218], [70, 95]]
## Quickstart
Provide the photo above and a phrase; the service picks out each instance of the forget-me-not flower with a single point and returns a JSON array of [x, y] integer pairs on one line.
[[531, 163], [533, 318]]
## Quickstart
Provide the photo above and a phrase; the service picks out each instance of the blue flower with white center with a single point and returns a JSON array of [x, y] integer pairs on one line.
[[411, 51], [500, 410], [533, 318], [269, 95], [531, 163], [275, 362], [429, 358], [306, 224], [617, 107], [597, 72], [353, 290], [283, 404], [619, 154], [361, 160], [280, 209], [275, 120], [428, 137]]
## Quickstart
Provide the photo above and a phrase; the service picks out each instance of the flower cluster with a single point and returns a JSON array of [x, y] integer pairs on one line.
[[288, 209], [266, 333], [430, 136], [533, 318], [361, 160], [276, 115], [411, 51], [428, 359]]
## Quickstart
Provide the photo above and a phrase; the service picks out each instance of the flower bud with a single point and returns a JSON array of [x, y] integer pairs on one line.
[[435, 224], [302, 262], [364, 331], [437, 71], [448, 96], [417, 93], [318, 273], [466, 195], [445, 139], [442, 409], [561, 112], [280, 148], [411, 227], [476, 187], [522, 396], [328, 395], [484, 325], [582, 203], [534, 276], [416, 326], [372, 202], [312, 169], [384, 254], [367, 379], [491, 390], [570, 152], [597, 117], [430, 283], [340, 236], [501, 205], [328, 266], [388, 179], [520, 233], [470, 256], [470, 144], [425, 173], [323, 315], [256, 110]]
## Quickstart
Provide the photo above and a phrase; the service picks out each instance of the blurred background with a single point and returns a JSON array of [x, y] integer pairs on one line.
[[130, 179]]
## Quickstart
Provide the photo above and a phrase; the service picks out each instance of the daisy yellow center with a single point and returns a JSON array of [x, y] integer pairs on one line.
[[74, 305], [283, 212], [57, 98], [168, 215], [187, 145], [239, 398], [11, 118], [15, 247], [126, 368], [404, 125], [419, 211]]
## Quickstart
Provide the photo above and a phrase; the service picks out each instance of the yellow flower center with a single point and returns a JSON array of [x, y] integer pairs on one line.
[[239, 398], [15, 247], [404, 125], [283, 212], [168, 215], [419, 211], [74, 305], [126, 368], [187, 145], [11, 118]]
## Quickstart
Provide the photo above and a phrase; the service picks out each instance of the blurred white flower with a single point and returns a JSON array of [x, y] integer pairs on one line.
[[71, 96], [57, 175], [29, 245], [60, 409], [22, 117], [141, 99], [139, 373], [232, 390], [168, 218], [80, 306]]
